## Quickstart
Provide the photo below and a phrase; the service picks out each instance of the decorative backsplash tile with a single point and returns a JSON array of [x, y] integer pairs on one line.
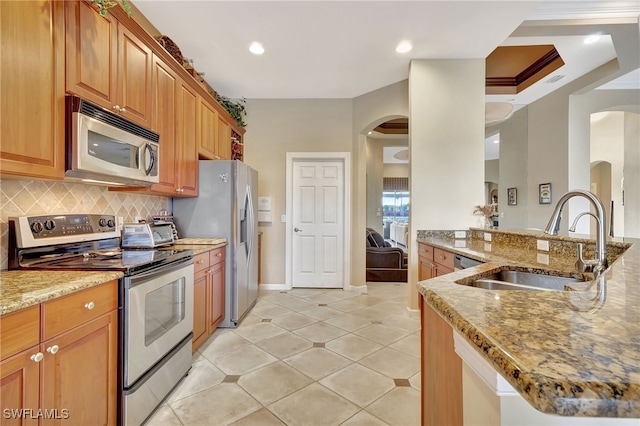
[[34, 197]]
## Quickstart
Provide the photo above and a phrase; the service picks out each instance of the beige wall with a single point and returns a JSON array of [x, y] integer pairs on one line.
[[395, 170], [36, 197], [278, 126], [446, 127]]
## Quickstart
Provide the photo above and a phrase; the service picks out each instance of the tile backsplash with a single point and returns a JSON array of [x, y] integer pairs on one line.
[[34, 197]]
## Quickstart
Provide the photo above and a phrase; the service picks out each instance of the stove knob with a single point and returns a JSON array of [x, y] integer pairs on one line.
[[111, 223], [49, 225], [102, 222], [36, 227]]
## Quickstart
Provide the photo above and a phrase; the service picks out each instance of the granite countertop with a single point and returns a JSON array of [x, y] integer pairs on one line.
[[21, 289], [563, 355], [199, 245]]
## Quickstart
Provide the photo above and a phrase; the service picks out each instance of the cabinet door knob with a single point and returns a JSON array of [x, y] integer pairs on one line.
[[53, 349], [90, 305], [123, 109], [37, 357], [200, 261], [219, 254], [116, 107]]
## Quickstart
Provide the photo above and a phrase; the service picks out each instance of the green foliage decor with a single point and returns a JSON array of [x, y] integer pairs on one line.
[[235, 108], [105, 5]]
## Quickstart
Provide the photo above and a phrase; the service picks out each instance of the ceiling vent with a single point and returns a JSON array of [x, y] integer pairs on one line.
[[555, 78]]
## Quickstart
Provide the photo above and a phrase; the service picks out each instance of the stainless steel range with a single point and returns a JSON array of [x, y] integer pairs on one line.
[[155, 302]]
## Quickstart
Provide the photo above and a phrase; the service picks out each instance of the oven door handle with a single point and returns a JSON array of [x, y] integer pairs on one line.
[[146, 276]]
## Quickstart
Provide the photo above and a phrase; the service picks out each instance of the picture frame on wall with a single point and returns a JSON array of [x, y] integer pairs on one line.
[[512, 196], [544, 193]]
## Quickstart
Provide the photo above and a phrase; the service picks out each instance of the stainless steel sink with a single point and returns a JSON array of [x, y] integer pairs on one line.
[[520, 280]]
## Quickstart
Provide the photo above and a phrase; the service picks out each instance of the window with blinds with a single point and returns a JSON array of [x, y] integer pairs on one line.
[[395, 184]]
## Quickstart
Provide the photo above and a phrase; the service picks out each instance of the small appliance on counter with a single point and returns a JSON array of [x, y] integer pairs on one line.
[[146, 235]]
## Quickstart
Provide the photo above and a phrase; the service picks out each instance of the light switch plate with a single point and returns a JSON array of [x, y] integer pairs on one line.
[[460, 234], [283, 218], [460, 243], [487, 236], [543, 245], [487, 247]]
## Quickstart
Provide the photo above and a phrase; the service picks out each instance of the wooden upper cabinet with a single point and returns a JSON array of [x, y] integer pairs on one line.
[[92, 53], [187, 141], [207, 130], [32, 86], [224, 139], [107, 64], [134, 77], [165, 116]]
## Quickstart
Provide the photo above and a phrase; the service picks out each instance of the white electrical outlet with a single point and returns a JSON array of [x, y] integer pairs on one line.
[[460, 234], [543, 245], [543, 258], [460, 243], [487, 247], [487, 236]]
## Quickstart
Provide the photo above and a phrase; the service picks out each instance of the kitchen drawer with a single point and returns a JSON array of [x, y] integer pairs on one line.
[[200, 262], [216, 256], [20, 330], [63, 314], [443, 257], [425, 251]]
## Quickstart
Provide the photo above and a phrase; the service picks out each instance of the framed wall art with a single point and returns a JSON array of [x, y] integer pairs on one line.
[[512, 196], [544, 193]]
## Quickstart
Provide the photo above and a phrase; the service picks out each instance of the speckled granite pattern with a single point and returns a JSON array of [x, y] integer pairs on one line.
[[560, 357], [201, 245], [196, 241], [21, 289]]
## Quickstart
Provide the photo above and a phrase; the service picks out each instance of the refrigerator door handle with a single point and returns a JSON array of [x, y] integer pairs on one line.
[[250, 227]]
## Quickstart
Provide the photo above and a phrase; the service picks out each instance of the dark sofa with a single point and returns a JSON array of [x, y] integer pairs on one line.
[[384, 263]]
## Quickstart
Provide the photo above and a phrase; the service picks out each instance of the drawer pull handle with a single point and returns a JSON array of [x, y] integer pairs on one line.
[[37, 357], [219, 254], [53, 349], [200, 261], [90, 305]]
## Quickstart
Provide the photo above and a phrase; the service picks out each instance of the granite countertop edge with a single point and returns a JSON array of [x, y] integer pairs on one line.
[[547, 394], [22, 289]]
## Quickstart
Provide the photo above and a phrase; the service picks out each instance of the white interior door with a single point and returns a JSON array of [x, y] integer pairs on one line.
[[318, 223]]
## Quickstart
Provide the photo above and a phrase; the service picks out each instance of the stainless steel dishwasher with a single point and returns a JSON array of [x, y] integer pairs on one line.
[[462, 262]]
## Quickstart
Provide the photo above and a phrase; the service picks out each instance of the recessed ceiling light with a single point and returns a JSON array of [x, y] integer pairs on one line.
[[404, 46], [592, 39], [369, 133], [256, 48]]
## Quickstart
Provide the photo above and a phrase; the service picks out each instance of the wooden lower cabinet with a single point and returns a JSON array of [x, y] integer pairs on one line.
[[441, 368], [209, 294], [433, 262], [70, 378]]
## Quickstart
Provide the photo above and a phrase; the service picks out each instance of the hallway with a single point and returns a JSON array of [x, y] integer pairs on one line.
[[307, 357]]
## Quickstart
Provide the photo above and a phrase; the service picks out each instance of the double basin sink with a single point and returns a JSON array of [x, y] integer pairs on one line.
[[509, 278]]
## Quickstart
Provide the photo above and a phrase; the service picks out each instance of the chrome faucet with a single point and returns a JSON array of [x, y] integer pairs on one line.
[[600, 264]]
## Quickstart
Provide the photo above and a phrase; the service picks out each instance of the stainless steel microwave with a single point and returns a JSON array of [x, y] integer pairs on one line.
[[106, 148]]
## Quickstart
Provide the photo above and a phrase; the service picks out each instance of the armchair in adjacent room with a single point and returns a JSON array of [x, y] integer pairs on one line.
[[384, 263]]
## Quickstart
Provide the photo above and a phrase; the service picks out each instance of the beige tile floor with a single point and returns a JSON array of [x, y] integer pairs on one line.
[[307, 357]]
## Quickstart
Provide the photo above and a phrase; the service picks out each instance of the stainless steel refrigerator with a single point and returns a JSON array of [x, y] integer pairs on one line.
[[226, 207]]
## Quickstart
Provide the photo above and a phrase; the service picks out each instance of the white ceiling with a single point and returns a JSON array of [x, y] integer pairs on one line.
[[343, 49]]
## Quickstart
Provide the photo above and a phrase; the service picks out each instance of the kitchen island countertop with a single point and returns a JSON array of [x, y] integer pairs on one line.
[[563, 355]]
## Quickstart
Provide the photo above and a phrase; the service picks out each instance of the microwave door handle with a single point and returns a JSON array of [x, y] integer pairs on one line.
[[152, 159]]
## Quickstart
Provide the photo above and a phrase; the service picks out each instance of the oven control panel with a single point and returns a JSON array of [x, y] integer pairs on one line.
[[32, 231], [70, 224]]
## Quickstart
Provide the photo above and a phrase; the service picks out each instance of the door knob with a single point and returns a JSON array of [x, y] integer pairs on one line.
[[297, 230]]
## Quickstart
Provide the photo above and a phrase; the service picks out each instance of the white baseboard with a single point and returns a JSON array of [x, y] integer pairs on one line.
[[280, 287]]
